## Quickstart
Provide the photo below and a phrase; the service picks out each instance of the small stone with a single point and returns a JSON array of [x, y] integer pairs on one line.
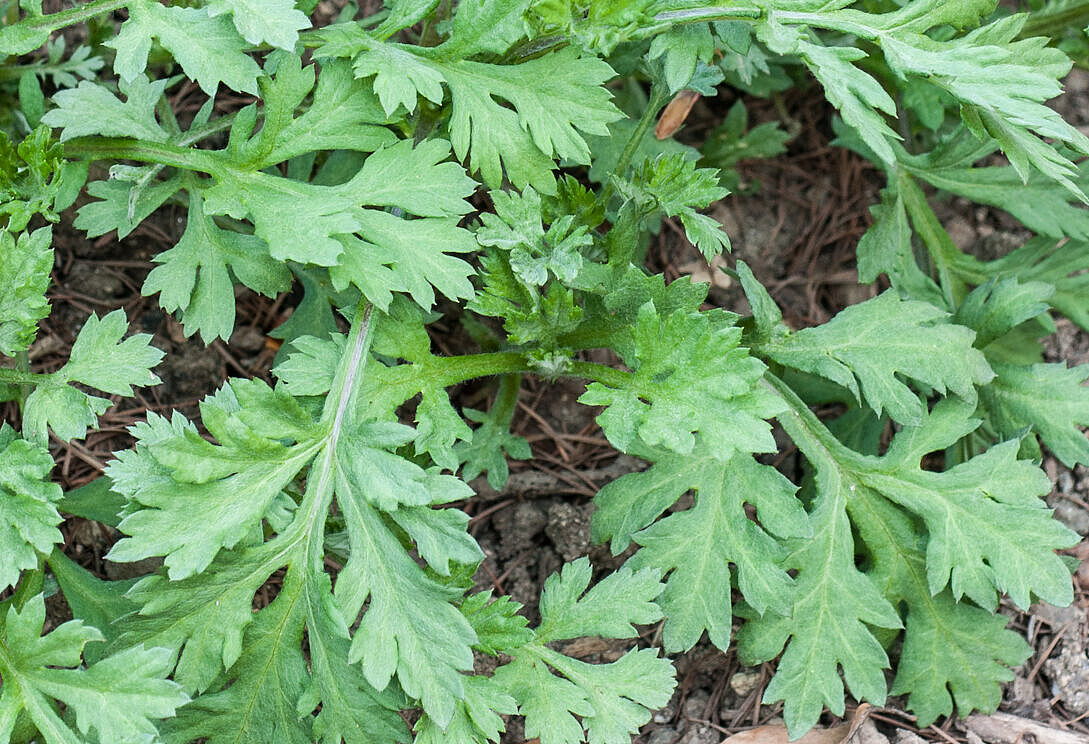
[[663, 736], [694, 705], [569, 529], [1069, 673], [903, 736], [744, 682]]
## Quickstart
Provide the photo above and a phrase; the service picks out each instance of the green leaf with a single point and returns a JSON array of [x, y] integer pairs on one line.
[[412, 179], [351, 710], [487, 450], [99, 359], [859, 98], [205, 616], [399, 76], [402, 14], [697, 594], [120, 698], [123, 206], [193, 275], [995, 308], [535, 253], [484, 26], [343, 114], [951, 649], [208, 48], [690, 376], [35, 179], [412, 256], [476, 717], [259, 705], [833, 603], [1061, 264], [988, 528], [440, 536], [610, 609], [1040, 204], [596, 25], [732, 140], [274, 22], [92, 109], [867, 346], [612, 700], [886, 248], [549, 703], [1048, 397], [388, 480], [28, 515], [680, 49], [498, 626], [96, 602], [677, 187], [555, 97], [27, 261], [1004, 82], [198, 497], [410, 628]]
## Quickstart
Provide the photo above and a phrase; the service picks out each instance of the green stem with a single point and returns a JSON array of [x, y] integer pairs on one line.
[[72, 16], [657, 99], [1053, 23], [700, 15], [338, 414], [31, 584], [121, 148], [506, 400], [943, 252], [403, 382], [808, 432], [24, 378]]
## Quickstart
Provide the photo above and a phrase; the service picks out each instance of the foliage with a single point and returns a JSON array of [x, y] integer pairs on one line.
[[498, 153]]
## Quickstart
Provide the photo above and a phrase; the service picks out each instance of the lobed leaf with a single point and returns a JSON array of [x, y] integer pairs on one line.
[[697, 596], [1050, 398], [99, 359], [207, 46], [120, 698], [866, 347], [28, 515], [27, 261], [690, 376]]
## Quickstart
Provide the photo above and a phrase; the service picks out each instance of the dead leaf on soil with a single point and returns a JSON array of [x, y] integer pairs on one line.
[[675, 113], [1002, 728], [708, 273], [859, 730]]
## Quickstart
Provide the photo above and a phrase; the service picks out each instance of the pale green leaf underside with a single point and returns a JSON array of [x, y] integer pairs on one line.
[[869, 346]]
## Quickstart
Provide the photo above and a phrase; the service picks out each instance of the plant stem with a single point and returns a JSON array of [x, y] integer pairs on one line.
[[712, 13], [338, 412], [30, 585], [1054, 22], [121, 148], [72, 16], [22, 366], [808, 432], [404, 381], [506, 400], [657, 99]]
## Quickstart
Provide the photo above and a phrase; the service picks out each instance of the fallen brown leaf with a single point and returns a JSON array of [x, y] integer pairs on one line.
[[859, 727], [676, 111], [1002, 728]]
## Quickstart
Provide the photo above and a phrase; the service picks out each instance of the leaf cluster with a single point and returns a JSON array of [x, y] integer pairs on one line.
[[499, 157]]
